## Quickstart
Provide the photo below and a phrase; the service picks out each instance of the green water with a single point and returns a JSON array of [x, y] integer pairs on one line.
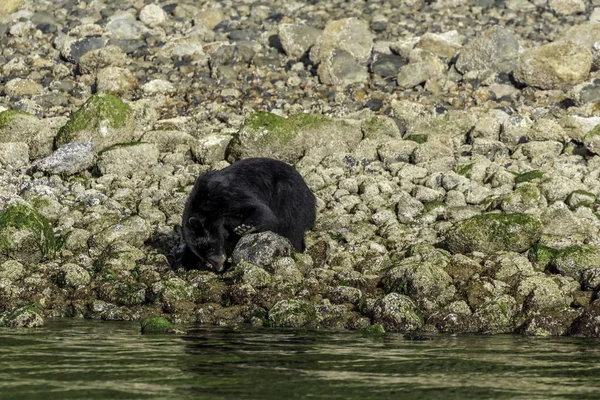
[[88, 359]]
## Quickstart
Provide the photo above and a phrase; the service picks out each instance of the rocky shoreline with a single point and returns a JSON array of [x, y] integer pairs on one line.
[[452, 147]]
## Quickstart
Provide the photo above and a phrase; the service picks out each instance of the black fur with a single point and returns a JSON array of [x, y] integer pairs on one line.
[[251, 195]]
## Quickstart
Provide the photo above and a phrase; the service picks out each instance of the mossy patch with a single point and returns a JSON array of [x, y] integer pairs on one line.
[[156, 325], [573, 261], [541, 255], [100, 111], [493, 232], [293, 314], [375, 330], [7, 117], [465, 169], [528, 176], [418, 138], [21, 216]]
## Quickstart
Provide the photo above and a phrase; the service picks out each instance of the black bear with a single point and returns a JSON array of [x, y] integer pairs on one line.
[[251, 195]]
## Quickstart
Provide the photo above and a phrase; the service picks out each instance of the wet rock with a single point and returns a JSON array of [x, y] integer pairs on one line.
[[11, 270], [497, 315], [588, 324], [488, 233], [350, 35], [423, 280], [556, 65], [550, 323], [261, 249], [69, 159], [73, 276], [25, 234], [156, 325], [297, 39], [252, 275], [125, 159], [23, 317], [576, 261], [495, 49], [104, 120], [293, 314], [397, 312]]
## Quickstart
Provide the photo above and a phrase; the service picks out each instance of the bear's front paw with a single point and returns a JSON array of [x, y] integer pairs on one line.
[[244, 230]]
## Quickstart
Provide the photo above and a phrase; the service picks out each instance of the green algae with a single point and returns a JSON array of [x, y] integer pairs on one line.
[[8, 116], [97, 110], [21, 216], [528, 176], [493, 232], [156, 325]]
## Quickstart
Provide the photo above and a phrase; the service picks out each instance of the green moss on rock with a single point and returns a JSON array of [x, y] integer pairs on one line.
[[8, 117], [375, 330], [269, 135], [573, 261], [99, 114], [529, 176], [154, 325], [489, 233], [19, 216], [22, 317]]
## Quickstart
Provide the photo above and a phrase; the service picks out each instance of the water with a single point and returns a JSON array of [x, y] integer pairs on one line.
[[107, 360]]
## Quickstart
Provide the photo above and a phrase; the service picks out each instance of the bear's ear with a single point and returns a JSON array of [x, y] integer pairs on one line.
[[195, 224]]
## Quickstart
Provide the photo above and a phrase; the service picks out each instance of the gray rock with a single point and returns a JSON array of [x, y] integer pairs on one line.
[[123, 160], [443, 45], [422, 67], [211, 149], [339, 67], [158, 86], [74, 49], [23, 317], [73, 276], [261, 249], [584, 35], [293, 314], [116, 80], [94, 60], [152, 15], [14, 154], [297, 39], [387, 65], [496, 49], [19, 87], [557, 65], [397, 312], [125, 29], [69, 159], [567, 7], [350, 35]]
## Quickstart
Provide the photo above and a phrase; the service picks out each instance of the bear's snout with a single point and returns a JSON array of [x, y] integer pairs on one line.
[[217, 262]]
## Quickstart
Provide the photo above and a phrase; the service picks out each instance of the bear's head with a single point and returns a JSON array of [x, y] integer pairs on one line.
[[206, 239]]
